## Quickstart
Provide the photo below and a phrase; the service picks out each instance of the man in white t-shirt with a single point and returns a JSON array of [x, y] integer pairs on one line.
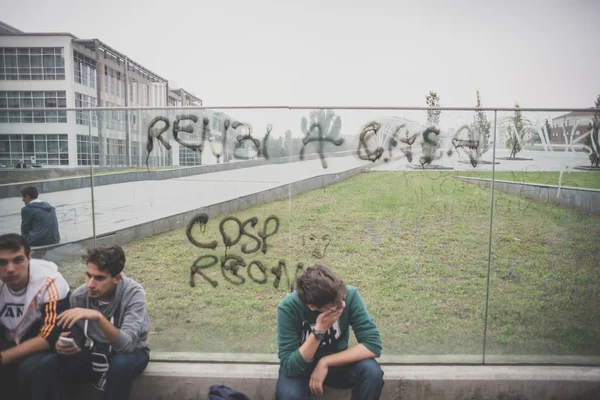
[[32, 294]]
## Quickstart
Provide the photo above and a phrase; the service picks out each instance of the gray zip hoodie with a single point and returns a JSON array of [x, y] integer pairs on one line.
[[128, 306]]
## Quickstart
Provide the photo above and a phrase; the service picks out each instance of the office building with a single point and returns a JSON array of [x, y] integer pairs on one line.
[[55, 70]]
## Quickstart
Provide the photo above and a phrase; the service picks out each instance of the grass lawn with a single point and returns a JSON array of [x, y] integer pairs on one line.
[[416, 246], [575, 179]]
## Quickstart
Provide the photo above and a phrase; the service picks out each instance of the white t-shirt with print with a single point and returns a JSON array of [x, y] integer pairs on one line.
[[12, 309]]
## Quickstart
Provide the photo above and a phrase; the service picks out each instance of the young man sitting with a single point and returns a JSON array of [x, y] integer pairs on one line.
[[109, 324], [32, 293], [312, 334]]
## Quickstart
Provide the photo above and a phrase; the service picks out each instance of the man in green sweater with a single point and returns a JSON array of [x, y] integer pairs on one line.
[[312, 334]]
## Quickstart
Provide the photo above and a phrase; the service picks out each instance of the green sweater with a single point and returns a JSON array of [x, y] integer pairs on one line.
[[294, 323]]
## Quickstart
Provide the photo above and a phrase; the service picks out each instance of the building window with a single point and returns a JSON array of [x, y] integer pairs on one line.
[[49, 99], [145, 100], [112, 81], [189, 157], [47, 149], [82, 117], [114, 119], [84, 69], [32, 63], [116, 151], [135, 96], [85, 152], [135, 153], [216, 124]]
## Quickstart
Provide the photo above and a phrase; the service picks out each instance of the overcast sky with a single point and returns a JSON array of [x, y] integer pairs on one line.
[[542, 53], [376, 52]]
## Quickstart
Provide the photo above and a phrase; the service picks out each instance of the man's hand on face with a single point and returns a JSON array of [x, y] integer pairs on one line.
[[64, 348], [326, 319], [317, 378], [68, 318]]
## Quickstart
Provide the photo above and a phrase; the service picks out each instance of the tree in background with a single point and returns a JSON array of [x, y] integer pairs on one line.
[[593, 139], [433, 116], [291, 145], [430, 142], [331, 125], [481, 130], [516, 132]]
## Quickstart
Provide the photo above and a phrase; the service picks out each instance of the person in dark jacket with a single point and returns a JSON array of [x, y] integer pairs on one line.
[[39, 224]]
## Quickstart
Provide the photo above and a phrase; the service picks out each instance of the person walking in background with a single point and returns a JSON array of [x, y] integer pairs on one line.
[[39, 224]]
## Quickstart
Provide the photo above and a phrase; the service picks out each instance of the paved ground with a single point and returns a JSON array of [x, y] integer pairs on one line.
[[122, 205], [127, 204]]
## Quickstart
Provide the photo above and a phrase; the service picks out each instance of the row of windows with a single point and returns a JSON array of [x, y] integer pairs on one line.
[[34, 63], [84, 70], [188, 157], [39, 99], [33, 117], [83, 117], [116, 151], [47, 149]]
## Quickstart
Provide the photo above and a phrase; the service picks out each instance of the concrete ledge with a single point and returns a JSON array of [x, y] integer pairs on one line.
[[582, 199], [389, 359], [163, 380]]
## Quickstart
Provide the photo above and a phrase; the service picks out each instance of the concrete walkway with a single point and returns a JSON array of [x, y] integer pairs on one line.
[[123, 205]]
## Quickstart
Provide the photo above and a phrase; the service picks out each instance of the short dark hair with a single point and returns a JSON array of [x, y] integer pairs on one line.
[[30, 191], [14, 242], [111, 258], [319, 286]]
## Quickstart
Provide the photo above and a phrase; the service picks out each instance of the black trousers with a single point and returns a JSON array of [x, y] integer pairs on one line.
[[15, 378]]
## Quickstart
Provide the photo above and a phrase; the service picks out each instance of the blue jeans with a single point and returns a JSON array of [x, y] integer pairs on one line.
[[364, 377], [55, 370]]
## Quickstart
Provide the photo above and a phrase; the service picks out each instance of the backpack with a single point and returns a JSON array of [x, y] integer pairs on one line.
[[220, 392]]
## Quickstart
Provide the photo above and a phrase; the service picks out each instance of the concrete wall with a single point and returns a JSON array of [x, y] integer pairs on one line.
[[79, 182], [69, 250], [162, 381], [581, 199]]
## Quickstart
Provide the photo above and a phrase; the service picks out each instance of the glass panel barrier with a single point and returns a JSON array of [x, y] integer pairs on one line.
[[219, 210], [544, 303]]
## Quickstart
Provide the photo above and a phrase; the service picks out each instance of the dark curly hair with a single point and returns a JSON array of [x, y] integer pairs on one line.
[[319, 287], [14, 242], [111, 258]]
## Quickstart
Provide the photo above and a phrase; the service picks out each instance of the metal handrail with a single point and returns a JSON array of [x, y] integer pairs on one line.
[[357, 108]]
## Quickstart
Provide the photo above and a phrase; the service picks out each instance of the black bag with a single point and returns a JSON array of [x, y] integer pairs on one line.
[[220, 392]]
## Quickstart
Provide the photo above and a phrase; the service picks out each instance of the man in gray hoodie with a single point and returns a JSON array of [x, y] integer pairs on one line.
[[39, 224], [109, 326]]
